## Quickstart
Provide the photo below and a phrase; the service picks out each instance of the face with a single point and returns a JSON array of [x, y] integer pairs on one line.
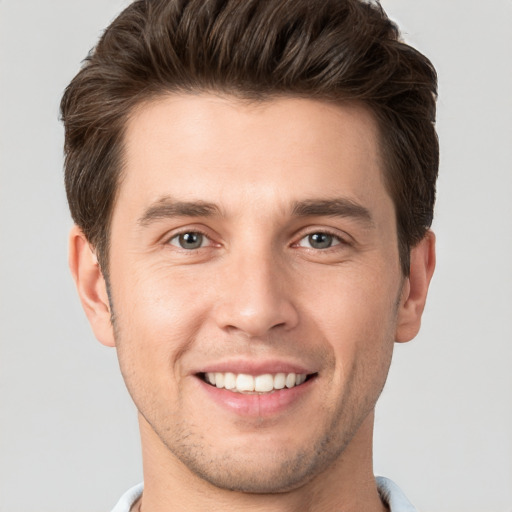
[[255, 283]]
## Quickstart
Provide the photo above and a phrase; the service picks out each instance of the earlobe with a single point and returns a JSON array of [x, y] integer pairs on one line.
[[415, 288], [91, 286]]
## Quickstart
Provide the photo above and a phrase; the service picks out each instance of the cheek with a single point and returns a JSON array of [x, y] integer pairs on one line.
[[359, 302], [357, 319], [153, 297], [156, 318]]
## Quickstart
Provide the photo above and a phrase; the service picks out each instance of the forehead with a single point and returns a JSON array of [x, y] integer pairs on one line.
[[215, 148]]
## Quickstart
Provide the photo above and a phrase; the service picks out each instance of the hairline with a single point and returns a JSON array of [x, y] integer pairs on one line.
[[248, 98]]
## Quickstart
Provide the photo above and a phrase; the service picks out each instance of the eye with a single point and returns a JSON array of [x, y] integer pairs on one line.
[[319, 240], [189, 240]]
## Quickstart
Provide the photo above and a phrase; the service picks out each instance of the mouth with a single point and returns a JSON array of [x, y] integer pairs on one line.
[[266, 383]]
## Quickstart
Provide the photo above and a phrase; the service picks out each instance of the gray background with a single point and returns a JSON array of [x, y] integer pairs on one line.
[[68, 433]]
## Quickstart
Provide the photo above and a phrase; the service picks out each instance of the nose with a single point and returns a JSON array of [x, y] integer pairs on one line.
[[255, 297]]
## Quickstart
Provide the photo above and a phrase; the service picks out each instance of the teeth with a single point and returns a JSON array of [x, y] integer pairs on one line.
[[229, 381], [243, 383], [291, 379], [301, 378], [219, 380], [264, 383], [280, 381]]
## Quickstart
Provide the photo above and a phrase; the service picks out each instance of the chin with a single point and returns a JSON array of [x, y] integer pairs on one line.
[[255, 478], [265, 472]]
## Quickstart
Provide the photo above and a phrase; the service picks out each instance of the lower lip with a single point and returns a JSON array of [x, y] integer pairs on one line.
[[258, 405]]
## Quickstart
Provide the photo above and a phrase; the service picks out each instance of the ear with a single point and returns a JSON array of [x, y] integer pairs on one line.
[[415, 288], [91, 286]]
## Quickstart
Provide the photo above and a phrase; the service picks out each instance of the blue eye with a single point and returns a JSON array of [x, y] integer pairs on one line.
[[319, 240], [190, 240]]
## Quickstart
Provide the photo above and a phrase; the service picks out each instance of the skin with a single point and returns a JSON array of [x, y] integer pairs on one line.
[[256, 292]]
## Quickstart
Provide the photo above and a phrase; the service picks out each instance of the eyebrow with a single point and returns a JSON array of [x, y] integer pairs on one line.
[[167, 207], [337, 207]]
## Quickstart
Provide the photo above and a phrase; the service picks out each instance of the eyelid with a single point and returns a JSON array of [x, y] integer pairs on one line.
[[335, 242], [204, 241], [170, 235], [342, 237]]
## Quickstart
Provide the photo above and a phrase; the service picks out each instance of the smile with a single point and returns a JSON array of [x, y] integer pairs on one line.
[[247, 384]]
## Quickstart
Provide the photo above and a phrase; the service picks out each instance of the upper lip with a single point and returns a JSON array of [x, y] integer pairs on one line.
[[251, 367]]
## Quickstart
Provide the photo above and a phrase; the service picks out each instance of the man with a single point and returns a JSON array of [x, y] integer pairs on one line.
[[252, 184]]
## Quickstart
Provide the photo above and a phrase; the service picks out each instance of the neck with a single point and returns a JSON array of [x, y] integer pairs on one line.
[[348, 484]]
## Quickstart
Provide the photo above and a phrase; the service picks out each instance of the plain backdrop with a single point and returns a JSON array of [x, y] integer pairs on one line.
[[68, 431]]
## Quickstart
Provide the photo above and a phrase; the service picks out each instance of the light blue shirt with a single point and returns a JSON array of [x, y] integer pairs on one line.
[[388, 490]]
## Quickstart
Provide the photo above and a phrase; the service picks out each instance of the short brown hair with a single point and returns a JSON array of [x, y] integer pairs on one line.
[[258, 49]]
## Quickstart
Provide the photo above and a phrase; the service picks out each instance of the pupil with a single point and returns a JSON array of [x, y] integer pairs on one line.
[[320, 240], [191, 240]]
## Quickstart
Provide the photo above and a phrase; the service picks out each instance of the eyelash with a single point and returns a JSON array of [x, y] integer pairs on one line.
[[339, 239], [185, 232]]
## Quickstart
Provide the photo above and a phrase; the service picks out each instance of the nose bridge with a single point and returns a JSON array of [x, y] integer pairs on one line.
[[255, 295]]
